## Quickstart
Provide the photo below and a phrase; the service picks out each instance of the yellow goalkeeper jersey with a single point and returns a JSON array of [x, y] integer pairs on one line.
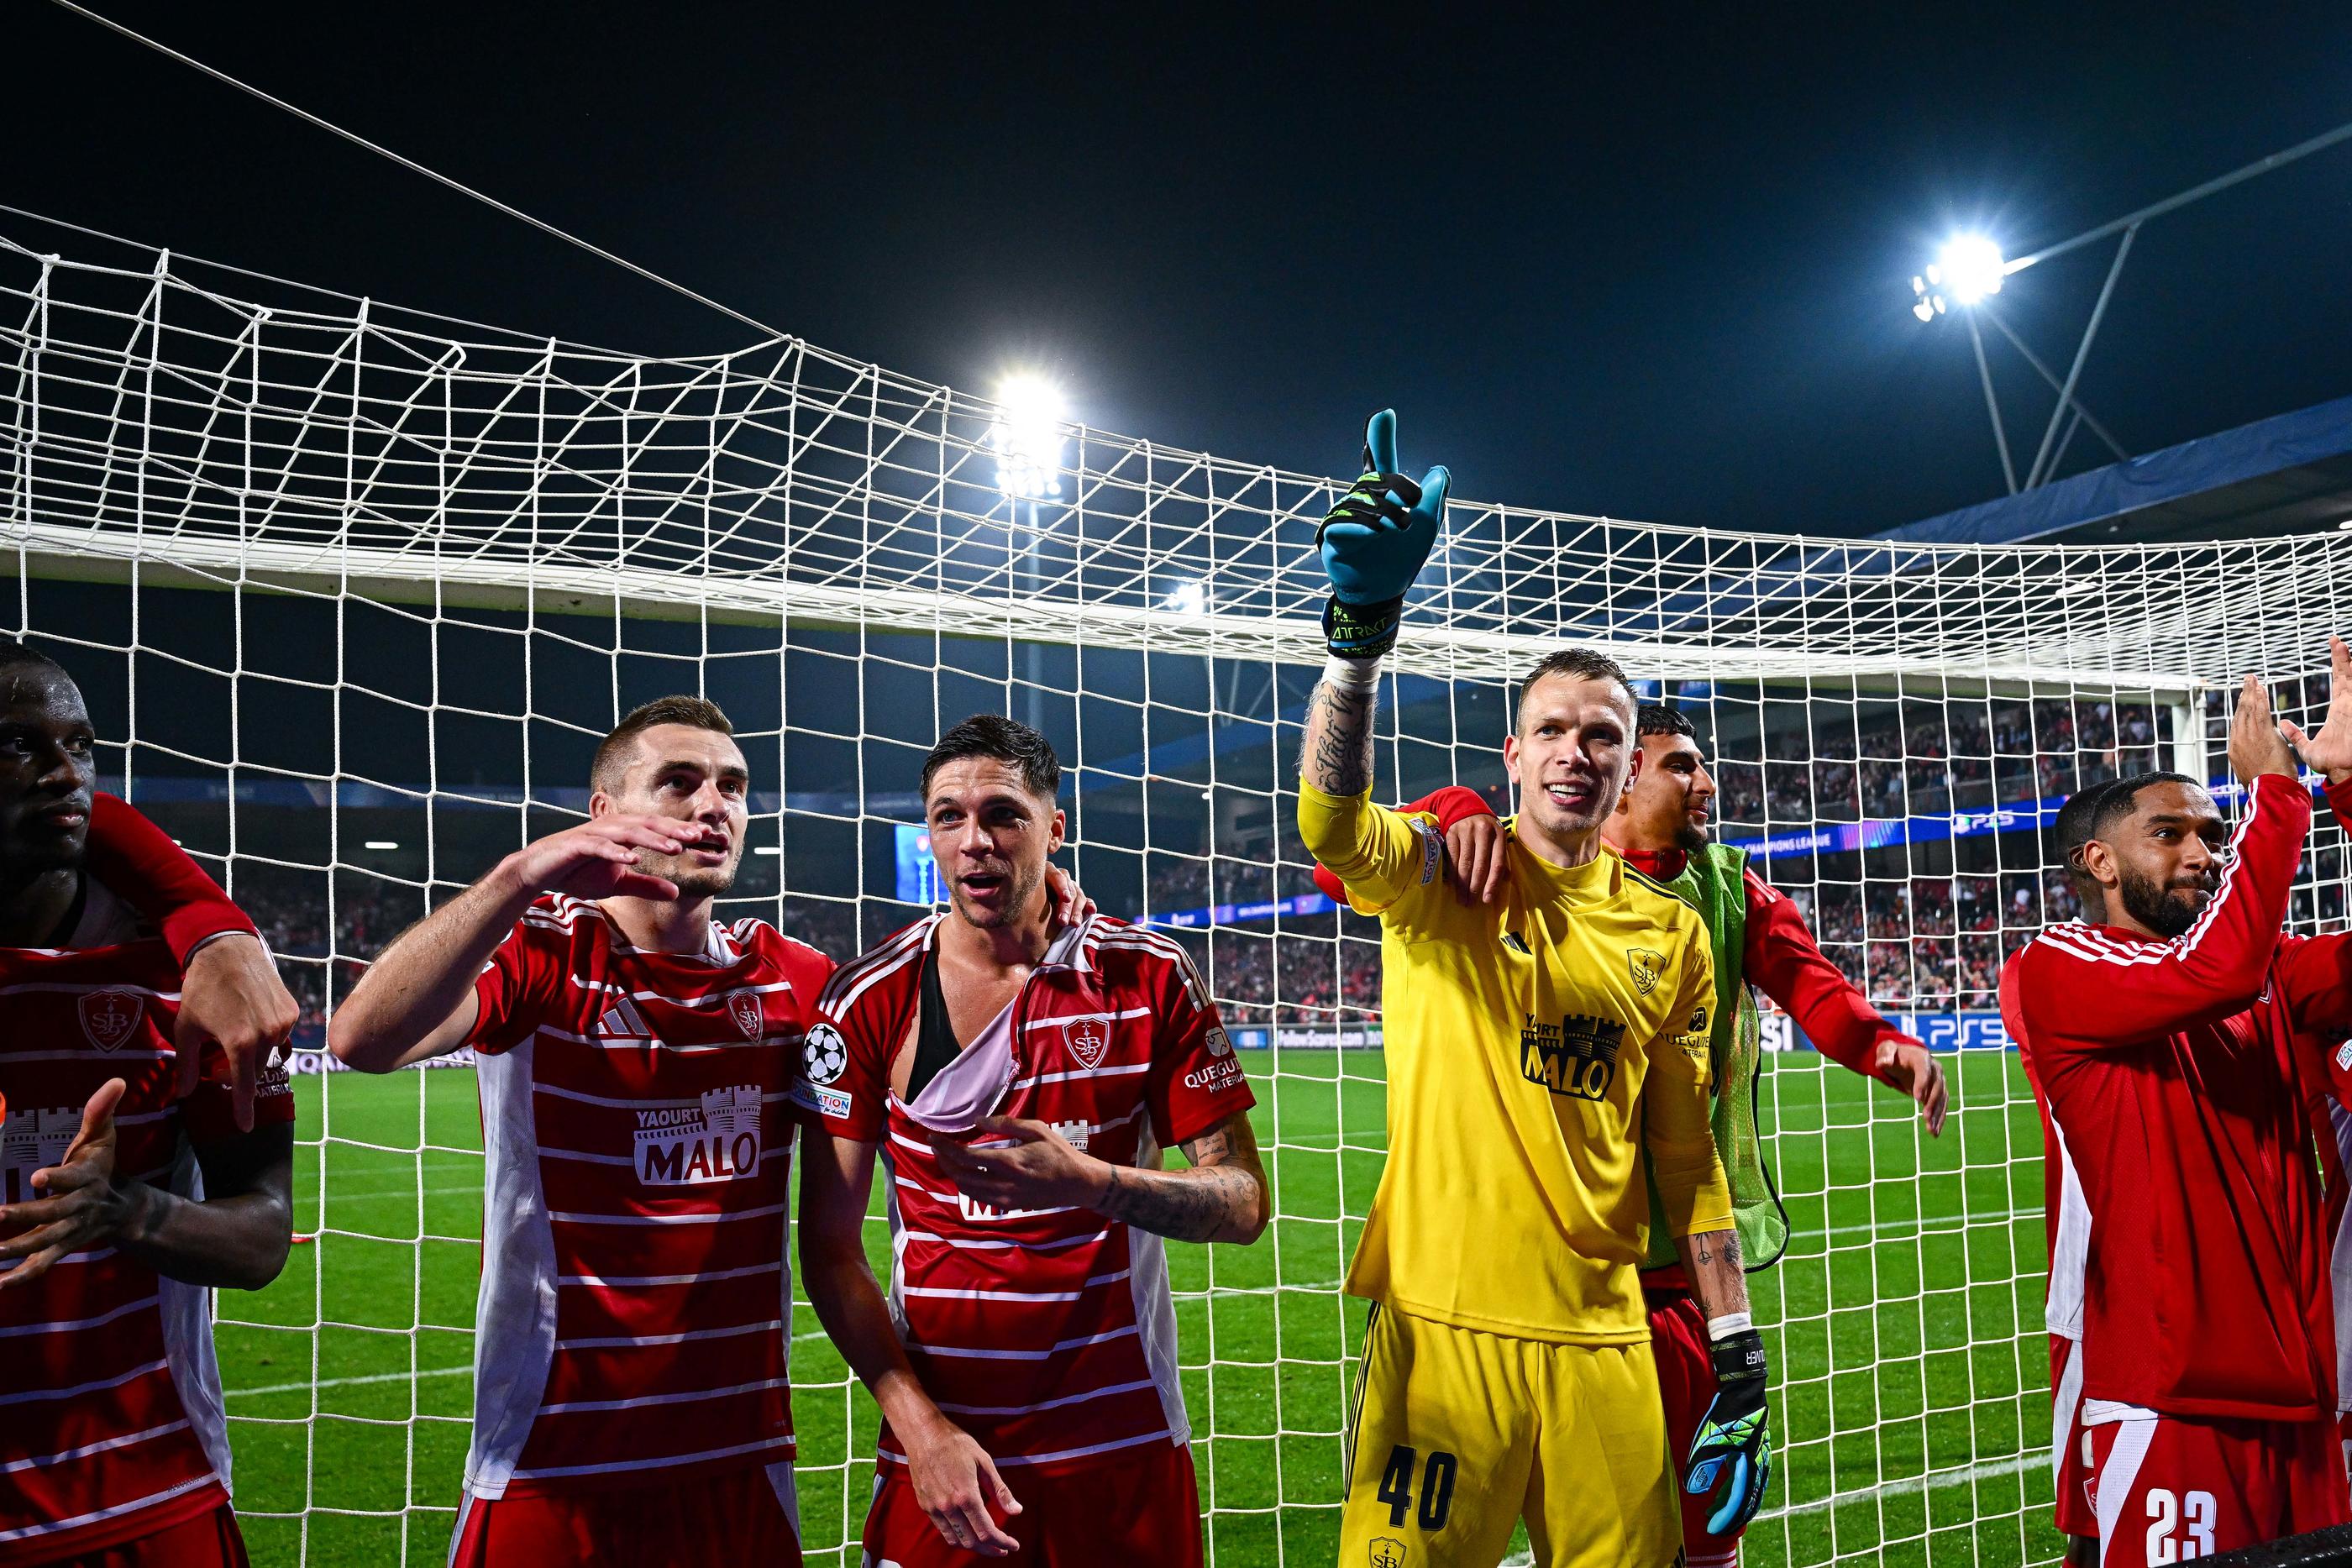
[[1535, 1046]]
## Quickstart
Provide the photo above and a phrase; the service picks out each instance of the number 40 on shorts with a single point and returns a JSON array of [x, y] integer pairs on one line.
[[1437, 1489]]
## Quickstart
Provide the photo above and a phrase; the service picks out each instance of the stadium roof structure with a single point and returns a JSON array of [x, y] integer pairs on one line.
[[2289, 473]]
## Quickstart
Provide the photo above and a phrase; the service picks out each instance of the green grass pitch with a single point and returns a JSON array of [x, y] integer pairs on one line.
[[1911, 1410]]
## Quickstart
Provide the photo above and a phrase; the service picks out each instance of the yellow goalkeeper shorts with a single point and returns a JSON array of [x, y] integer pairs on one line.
[[1458, 1435]]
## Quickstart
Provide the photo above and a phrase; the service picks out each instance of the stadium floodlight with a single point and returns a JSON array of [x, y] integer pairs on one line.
[[1027, 437], [1973, 266], [383, 845], [1188, 597], [1969, 269]]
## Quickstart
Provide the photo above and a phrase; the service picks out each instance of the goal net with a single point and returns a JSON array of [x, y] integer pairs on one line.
[[354, 590]]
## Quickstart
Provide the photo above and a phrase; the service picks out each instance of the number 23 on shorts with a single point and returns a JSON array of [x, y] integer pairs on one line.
[[2180, 1530]]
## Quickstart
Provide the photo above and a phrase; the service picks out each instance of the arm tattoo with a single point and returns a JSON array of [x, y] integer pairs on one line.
[[1337, 755], [1221, 1198]]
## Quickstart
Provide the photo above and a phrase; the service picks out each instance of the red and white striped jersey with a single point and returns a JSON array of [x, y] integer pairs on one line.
[[633, 1324], [111, 1419], [2188, 1243], [1048, 1335]]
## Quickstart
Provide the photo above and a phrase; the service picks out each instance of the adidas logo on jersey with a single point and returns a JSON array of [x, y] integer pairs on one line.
[[691, 1143], [622, 1022], [1576, 1057]]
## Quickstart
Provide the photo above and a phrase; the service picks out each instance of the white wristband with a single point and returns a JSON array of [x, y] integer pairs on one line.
[[1727, 1325], [1356, 675]]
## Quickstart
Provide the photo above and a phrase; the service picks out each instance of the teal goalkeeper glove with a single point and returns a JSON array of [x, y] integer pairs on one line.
[[1374, 543], [1733, 1445]]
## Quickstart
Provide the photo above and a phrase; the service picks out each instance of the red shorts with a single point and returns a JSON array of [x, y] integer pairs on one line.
[[208, 1540], [751, 1515], [2070, 1441], [1140, 1511], [1686, 1385], [2167, 1489]]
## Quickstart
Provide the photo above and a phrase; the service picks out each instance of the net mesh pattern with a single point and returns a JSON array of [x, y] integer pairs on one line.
[[354, 590]]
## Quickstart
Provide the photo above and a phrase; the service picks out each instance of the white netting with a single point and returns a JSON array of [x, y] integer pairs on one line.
[[356, 595]]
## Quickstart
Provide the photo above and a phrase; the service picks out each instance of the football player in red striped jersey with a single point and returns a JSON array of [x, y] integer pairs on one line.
[[1020, 1073], [111, 1439], [632, 1386]]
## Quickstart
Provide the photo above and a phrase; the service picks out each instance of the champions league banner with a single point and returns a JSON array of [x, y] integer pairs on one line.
[[1940, 1032]]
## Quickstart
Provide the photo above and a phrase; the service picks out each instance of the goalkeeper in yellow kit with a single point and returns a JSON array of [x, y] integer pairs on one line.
[[1537, 1046]]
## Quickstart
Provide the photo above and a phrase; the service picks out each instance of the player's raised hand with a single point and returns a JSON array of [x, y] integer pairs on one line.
[[1070, 903], [2330, 751], [1374, 542], [2256, 747], [956, 1486], [232, 997], [599, 858], [83, 1206], [1908, 1065], [1476, 856]]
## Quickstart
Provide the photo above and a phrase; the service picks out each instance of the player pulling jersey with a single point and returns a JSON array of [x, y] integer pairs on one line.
[[111, 1425], [1048, 1335]]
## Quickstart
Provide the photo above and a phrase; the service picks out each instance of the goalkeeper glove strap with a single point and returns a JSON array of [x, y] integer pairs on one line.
[[1361, 631]]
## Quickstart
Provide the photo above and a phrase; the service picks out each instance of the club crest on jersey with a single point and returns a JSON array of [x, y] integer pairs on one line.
[[1646, 966], [109, 1017], [1576, 1057], [1387, 1552], [689, 1143], [749, 1016], [1086, 1039]]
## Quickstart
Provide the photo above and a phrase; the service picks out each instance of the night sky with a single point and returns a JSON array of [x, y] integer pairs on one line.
[[1651, 266]]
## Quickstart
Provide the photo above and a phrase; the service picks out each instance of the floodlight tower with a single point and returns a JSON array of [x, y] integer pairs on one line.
[[1971, 269]]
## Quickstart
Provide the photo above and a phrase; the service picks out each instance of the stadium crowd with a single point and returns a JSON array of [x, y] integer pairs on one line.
[[1939, 758], [1921, 942]]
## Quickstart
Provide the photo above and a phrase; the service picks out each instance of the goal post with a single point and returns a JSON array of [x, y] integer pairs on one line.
[[354, 590]]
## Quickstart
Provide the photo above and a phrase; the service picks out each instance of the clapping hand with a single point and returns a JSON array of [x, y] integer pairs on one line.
[[2330, 751]]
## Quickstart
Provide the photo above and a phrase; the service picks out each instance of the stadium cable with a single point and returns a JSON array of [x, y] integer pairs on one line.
[[414, 167], [535, 340]]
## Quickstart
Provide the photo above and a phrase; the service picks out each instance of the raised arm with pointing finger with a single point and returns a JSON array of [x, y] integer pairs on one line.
[[632, 1052], [417, 999], [1539, 1047]]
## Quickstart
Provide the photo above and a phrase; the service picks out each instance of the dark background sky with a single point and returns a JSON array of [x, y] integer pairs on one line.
[[1652, 262]]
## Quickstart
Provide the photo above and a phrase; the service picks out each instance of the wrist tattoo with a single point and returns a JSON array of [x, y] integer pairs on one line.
[[1197, 1205], [1338, 755]]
